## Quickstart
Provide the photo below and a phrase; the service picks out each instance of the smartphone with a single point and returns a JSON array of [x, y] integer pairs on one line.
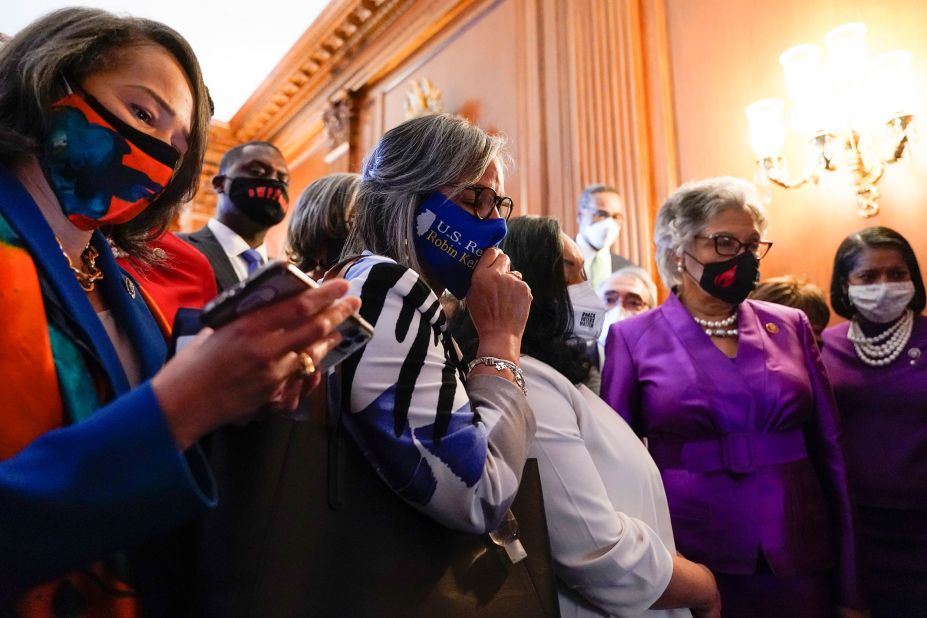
[[274, 282]]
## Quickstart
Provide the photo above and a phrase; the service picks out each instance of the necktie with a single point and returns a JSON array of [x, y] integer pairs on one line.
[[252, 258], [600, 268]]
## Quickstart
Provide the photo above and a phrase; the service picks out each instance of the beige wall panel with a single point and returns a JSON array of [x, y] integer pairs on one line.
[[724, 55]]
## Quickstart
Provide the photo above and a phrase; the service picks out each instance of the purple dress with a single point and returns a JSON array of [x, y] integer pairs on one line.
[[748, 450], [883, 412]]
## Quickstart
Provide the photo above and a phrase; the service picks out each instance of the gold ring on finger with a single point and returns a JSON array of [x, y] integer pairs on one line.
[[306, 366]]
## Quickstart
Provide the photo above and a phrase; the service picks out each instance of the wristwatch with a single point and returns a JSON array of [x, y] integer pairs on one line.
[[501, 364]]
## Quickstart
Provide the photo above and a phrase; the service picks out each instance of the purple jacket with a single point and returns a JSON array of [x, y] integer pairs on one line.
[[883, 414], [748, 448]]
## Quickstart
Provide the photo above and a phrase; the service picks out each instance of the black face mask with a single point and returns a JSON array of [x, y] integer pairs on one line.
[[263, 200], [731, 280]]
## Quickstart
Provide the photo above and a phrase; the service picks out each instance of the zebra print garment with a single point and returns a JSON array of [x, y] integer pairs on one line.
[[456, 453]]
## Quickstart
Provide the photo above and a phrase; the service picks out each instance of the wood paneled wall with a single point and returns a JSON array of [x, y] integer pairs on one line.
[[724, 55], [641, 94], [570, 85]]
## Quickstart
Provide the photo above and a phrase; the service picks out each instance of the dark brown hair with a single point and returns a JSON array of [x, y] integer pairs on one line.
[[794, 292], [845, 261], [76, 43]]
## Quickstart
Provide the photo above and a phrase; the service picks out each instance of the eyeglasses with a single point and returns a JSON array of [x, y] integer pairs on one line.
[[485, 201], [631, 302], [728, 246]]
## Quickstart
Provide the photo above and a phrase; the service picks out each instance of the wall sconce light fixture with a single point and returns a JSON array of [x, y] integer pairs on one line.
[[854, 114]]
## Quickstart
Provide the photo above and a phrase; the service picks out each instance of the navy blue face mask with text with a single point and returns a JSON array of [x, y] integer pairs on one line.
[[449, 241]]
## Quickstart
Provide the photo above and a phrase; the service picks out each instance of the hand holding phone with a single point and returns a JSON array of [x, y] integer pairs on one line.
[[274, 282], [224, 376]]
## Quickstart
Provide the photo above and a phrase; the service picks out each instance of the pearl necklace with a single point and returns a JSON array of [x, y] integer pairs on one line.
[[719, 328], [885, 347]]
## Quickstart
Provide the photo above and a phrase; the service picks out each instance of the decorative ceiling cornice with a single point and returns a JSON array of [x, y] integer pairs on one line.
[[342, 29]]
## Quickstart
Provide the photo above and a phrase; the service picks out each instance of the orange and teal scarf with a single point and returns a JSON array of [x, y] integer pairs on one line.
[[48, 383]]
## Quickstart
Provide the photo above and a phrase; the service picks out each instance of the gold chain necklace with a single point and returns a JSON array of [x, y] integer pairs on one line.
[[89, 273]]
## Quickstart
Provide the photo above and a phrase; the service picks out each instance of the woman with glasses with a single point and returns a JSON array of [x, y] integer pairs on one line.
[[429, 213], [738, 414]]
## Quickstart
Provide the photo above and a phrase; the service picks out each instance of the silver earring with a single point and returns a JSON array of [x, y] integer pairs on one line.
[[679, 267]]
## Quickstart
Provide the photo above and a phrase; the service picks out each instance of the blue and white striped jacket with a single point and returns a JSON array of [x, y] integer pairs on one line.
[[454, 450]]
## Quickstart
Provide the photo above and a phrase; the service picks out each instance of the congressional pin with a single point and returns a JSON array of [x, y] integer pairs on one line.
[[914, 354], [130, 286], [772, 328]]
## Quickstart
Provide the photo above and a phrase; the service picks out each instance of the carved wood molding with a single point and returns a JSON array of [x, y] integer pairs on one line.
[[323, 51], [338, 117], [353, 43]]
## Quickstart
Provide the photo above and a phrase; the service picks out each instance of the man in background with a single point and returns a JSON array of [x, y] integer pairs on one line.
[[252, 186], [627, 292], [600, 214], [630, 288]]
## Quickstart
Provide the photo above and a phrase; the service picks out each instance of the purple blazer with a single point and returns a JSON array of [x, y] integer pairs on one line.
[[883, 414], [748, 448]]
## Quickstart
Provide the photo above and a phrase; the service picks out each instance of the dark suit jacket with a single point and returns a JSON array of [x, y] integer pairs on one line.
[[205, 242], [619, 261]]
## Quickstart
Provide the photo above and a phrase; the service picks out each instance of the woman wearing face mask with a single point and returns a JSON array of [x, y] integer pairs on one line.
[[877, 367], [103, 123], [430, 211], [606, 510], [739, 416]]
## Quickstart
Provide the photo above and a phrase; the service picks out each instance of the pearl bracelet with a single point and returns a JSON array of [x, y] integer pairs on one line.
[[501, 364]]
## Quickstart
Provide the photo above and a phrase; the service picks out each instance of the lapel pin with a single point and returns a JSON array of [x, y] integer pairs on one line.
[[914, 354], [130, 287], [772, 328]]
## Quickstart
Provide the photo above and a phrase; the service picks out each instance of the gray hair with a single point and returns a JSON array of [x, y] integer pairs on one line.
[[409, 163], [587, 197], [322, 217], [641, 275], [688, 211]]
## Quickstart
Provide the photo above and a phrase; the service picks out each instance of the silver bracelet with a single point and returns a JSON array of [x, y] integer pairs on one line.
[[501, 364]]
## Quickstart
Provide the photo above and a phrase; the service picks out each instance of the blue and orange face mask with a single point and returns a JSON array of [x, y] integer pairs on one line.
[[102, 170]]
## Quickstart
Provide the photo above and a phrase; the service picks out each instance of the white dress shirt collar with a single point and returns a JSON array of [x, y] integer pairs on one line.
[[234, 245]]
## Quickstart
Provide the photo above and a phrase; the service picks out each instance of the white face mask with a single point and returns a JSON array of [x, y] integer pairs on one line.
[[601, 235], [588, 310], [613, 315], [881, 302]]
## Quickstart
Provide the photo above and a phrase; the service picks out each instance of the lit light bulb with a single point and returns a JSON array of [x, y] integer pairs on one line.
[[766, 119]]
